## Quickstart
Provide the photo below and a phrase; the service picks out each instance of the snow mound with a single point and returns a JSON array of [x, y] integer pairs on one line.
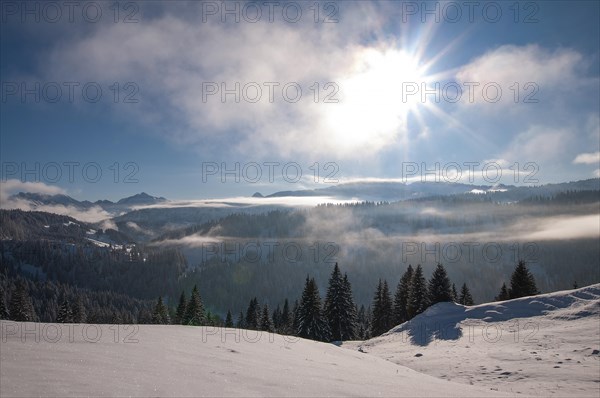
[[545, 345], [66, 360]]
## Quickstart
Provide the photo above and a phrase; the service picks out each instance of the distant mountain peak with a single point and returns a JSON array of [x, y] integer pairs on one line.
[[141, 198], [258, 195]]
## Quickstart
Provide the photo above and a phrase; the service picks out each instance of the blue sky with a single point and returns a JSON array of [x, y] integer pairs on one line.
[[368, 61]]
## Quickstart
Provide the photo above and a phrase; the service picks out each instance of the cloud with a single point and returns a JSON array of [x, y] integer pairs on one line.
[[174, 59], [538, 143], [506, 65], [563, 227], [236, 202], [587, 158], [12, 186]]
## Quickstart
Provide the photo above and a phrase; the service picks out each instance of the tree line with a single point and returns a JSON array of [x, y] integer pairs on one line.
[[337, 317]]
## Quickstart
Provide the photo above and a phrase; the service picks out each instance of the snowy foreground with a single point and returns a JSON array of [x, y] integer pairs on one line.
[[546, 345], [542, 346], [194, 361]]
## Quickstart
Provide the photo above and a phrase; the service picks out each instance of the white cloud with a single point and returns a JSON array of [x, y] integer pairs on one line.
[[538, 144], [170, 58], [509, 64], [12, 186], [587, 158]]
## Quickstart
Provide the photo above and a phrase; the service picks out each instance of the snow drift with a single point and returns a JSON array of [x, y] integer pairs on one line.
[[545, 345]]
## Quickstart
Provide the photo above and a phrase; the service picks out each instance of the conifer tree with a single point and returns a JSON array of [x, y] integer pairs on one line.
[[160, 315], [522, 282], [21, 308], [439, 288], [465, 296], [194, 312], [276, 318], [339, 310], [180, 311], [78, 310], [349, 327], [382, 310], [454, 293], [265, 320], [401, 296], [65, 315], [311, 322], [503, 295], [417, 297], [3, 308], [253, 315], [241, 323], [285, 320], [228, 320], [294, 315]]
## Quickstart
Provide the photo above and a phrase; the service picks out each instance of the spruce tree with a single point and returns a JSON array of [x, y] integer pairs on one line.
[[311, 322], [295, 322], [265, 320], [417, 297], [439, 288], [276, 318], [522, 282], [382, 310], [349, 327], [362, 322], [285, 320], [465, 296], [253, 315], [228, 320], [503, 295], [180, 311], [78, 309], [21, 308], [3, 308], [65, 315], [241, 323], [194, 313], [454, 293], [401, 296], [160, 315], [339, 310]]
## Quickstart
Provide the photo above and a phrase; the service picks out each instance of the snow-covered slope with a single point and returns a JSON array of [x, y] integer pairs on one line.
[[197, 361], [546, 345]]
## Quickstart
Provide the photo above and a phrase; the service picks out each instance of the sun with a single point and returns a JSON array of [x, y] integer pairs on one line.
[[371, 106]]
